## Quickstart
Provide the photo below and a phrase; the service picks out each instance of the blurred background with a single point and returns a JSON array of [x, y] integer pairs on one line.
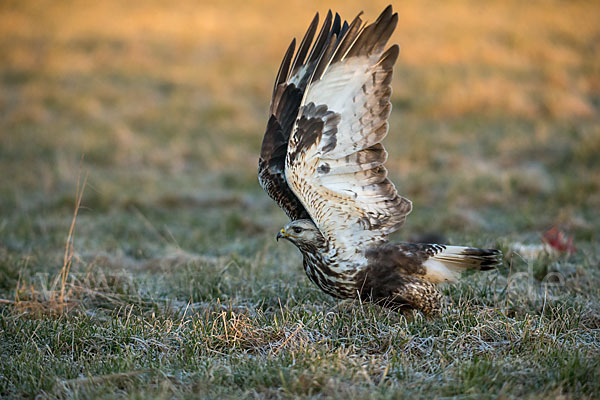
[[494, 130]]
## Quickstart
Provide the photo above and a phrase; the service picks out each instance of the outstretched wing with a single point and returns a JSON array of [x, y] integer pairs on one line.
[[334, 162], [290, 86]]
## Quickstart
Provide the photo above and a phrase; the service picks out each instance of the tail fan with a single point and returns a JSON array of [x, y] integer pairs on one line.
[[445, 263]]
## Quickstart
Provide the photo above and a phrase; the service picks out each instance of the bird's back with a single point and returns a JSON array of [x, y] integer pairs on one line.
[[405, 275]]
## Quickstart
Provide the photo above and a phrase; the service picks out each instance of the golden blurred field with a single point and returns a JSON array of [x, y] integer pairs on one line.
[[532, 59], [102, 75], [553, 37], [177, 287]]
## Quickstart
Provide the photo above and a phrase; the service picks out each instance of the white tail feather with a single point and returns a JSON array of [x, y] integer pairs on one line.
[[438, 272], [450, 261]]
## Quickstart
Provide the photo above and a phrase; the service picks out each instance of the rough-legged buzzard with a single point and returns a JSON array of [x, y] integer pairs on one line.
[[322, 162]]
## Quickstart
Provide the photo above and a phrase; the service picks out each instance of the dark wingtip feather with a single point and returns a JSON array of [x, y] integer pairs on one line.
[[348, 38], [376, 35], [344, 28], [327, 54], [388, 59], [305, 45], [385, 13], [321, 40], [282, 73], [337, 24]]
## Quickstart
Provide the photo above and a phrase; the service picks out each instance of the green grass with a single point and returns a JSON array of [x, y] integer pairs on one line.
[[177, 287]]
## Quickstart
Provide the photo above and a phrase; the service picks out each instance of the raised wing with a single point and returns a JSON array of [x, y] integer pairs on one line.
[[292, 79], [334, 163]]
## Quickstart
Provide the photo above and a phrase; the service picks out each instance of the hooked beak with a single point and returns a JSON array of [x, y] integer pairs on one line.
[[281, 235]]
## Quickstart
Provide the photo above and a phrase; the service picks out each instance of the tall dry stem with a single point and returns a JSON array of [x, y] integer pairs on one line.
[[68, 258]]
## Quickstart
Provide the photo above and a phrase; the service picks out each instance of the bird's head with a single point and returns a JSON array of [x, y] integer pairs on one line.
[[303, 233]]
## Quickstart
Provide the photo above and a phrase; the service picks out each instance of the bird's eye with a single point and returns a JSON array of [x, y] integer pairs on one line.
[[297, 230]]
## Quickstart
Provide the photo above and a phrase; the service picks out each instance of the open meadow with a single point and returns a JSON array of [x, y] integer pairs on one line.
[[167, 281]]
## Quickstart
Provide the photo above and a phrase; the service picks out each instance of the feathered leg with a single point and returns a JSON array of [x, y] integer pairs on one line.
[[419, 294], [402, 292]]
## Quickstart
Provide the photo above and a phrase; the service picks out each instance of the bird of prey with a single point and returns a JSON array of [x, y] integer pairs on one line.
[[322, 162]]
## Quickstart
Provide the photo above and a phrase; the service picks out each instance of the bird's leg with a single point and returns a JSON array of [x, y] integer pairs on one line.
[[419, 294]]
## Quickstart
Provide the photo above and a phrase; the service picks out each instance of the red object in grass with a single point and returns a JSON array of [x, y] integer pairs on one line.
[[558, 240]]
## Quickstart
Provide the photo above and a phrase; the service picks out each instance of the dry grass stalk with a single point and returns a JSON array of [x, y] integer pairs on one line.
[[68, 258], [57, 298]]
